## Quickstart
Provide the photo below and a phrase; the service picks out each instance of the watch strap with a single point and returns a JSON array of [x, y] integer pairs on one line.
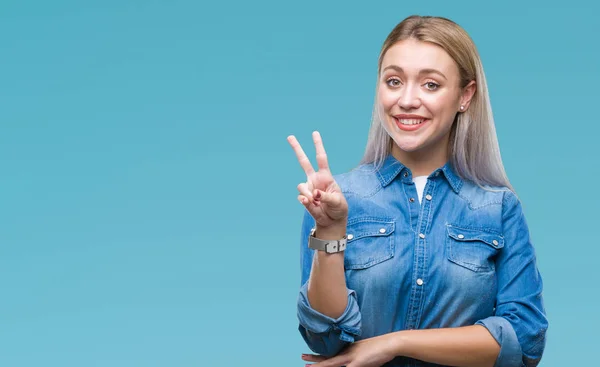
[[329, 246]]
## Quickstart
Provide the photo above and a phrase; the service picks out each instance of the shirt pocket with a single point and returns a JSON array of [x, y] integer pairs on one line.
[[474, 249], [370, 242]]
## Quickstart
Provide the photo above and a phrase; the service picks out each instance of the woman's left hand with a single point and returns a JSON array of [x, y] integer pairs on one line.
[[372, 352]]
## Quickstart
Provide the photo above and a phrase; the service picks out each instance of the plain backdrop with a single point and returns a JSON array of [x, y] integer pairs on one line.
[[148, 212]]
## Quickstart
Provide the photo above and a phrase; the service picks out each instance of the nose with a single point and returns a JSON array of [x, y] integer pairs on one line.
[[409, 98]]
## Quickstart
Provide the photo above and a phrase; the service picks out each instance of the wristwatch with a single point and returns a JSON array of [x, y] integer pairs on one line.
[[329, 246]]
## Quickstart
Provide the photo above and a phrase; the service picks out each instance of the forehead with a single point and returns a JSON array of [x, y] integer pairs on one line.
[[413, 55]]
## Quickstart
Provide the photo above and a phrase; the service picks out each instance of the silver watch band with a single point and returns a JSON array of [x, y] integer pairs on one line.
[[329, 246]]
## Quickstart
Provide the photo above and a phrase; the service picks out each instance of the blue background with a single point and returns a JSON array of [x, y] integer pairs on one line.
[[148, 212]]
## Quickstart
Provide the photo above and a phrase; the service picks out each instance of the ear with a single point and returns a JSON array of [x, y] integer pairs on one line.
[[467, 93]]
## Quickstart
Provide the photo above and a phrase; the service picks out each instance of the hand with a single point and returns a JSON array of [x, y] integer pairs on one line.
[[372, 352], [320, 194]]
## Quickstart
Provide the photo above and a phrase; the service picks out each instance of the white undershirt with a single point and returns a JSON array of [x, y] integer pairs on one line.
[[420, 182]]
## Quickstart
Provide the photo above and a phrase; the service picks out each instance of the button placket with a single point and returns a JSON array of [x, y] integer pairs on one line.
[[420, 271]]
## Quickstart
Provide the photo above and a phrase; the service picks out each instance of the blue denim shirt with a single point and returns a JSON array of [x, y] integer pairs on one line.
[[461, 257]]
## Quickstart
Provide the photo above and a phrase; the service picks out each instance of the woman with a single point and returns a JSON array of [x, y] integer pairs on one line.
[[421, 255]]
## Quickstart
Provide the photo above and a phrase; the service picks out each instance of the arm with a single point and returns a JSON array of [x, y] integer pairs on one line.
[[520, 322], [327, 310], [327, 291], [468, 346]]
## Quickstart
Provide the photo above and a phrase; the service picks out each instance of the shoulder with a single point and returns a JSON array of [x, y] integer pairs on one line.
[[363, 180], [500, 201], [486, 195]]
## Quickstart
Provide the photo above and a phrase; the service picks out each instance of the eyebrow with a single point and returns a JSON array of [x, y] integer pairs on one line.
[[422, 71]]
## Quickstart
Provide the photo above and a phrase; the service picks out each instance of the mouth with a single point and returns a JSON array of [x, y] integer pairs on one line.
[[410, 123]]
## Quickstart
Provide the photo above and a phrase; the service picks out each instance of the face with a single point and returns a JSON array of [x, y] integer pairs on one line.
[[419, 95]]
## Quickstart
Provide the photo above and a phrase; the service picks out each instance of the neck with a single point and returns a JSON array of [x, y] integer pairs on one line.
[[422, 162]]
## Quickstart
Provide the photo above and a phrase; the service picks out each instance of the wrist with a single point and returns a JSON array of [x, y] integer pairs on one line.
[[331, 232], [395, 344]]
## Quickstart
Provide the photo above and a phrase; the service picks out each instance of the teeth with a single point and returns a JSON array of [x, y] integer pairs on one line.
[[411, 121]]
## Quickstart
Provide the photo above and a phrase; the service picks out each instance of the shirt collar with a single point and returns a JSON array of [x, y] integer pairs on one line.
[[391, 168], [453, 179]]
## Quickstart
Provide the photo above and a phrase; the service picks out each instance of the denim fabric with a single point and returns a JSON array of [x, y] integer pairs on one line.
[[461, 257]]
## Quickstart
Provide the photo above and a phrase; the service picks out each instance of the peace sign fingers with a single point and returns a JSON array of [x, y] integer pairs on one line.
[[320, 194]]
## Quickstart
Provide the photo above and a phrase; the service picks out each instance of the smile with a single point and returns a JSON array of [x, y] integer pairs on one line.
[[411, 121], [410, 124]]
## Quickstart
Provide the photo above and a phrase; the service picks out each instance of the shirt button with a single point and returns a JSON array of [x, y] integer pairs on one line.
[[382, 230], [350, 236], [461, 236], [405, 174], [428, 197], [421, 235], [419, 281], [412, 200], [495, 242], [437, 173]]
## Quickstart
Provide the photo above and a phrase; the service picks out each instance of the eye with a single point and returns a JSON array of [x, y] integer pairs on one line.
[[431, 86], [393, 82]]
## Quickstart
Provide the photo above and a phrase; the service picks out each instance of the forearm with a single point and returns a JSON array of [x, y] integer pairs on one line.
[[463, 346], [327, 291]]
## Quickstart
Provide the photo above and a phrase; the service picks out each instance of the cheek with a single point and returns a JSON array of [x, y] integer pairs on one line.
[[440, 104], [386, 97]]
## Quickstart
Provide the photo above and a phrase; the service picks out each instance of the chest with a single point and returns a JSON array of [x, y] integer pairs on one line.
[[443, 246]]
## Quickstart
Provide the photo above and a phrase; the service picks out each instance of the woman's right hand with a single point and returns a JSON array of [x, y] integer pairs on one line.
[[320, 194]]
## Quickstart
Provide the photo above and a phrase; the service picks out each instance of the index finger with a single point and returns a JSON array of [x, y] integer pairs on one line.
[[302, 158]]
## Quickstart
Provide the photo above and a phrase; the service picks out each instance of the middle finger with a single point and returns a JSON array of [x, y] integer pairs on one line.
[[320, 149]]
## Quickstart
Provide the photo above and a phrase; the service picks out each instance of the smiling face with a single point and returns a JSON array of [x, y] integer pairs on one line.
[[419, 95]]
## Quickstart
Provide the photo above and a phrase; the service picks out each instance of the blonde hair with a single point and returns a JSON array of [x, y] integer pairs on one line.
[[473, 147]]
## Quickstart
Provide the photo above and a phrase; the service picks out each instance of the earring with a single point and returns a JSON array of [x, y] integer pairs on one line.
[[462, 108]]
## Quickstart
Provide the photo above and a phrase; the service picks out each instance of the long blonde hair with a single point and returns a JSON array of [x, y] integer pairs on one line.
[[473, 147]]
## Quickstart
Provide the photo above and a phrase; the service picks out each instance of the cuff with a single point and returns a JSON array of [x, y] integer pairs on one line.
[[326, 335], [510, 354]]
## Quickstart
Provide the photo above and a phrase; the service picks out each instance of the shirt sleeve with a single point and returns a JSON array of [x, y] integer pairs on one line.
[[519, 324], [323, 334]]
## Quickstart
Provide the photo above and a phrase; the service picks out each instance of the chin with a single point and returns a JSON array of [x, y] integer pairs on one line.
[[402, 140], [407, 146]]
